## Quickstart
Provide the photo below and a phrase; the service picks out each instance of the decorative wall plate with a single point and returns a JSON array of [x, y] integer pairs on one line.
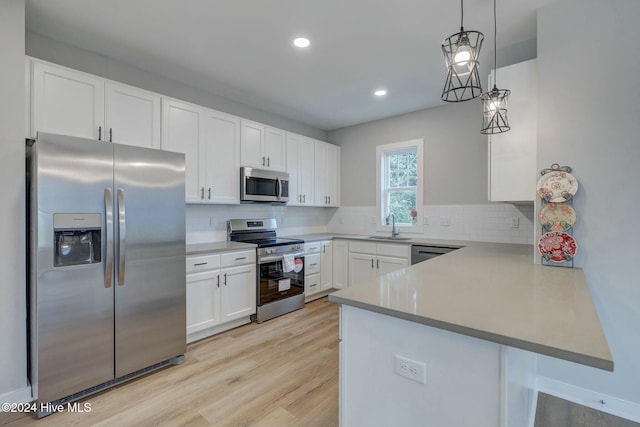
[[557, 246], [557, 186], [557, 217]]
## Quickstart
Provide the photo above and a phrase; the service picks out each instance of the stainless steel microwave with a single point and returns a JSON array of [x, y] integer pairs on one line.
[[259, 185]]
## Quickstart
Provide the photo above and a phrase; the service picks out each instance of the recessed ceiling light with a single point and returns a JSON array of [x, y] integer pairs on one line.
[[302, 42], [380, 92]]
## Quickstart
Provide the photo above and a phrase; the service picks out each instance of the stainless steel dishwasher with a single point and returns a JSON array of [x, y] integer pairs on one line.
[[421, 253]]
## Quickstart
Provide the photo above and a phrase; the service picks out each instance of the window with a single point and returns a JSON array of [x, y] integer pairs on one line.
[[399, 182]]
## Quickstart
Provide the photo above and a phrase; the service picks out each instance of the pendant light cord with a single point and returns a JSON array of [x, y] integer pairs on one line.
[[461, 15], [495, 46]]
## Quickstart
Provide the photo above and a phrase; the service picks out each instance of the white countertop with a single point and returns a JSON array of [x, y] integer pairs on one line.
[[495, 292]]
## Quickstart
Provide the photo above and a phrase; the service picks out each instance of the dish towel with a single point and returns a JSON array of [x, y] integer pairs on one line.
[[288, 263]]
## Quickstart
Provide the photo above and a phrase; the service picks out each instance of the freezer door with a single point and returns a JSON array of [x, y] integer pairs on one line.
[[150, 278], [71, 304]]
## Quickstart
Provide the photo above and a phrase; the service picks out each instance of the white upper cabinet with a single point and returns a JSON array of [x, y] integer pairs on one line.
[[67, 102], [327, 174], [262, 147], [275, 148], [300, 166], [181, 132], [210, 141], [220, 157], [132, 116], [512, 155], [74, 103]]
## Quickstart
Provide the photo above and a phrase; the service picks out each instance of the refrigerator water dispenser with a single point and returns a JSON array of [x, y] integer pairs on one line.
[[76, 239]]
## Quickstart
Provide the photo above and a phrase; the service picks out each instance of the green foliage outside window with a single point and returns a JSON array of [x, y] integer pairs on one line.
[[402, 181]]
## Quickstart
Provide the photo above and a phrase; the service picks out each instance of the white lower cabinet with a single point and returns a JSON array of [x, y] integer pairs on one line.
[[340, 257], [221, 292], [318, 268], [368, 260]]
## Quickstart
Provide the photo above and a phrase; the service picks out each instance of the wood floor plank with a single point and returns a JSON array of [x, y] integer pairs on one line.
[[283, 372]]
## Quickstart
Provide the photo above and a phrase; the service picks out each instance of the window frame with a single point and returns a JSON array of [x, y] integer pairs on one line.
[[382, 151]]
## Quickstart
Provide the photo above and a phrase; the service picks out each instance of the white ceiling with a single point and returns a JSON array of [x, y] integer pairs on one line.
[[241, 49]]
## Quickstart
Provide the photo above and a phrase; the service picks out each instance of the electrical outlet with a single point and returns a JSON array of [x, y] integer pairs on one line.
[[412, 369], [445, 221]]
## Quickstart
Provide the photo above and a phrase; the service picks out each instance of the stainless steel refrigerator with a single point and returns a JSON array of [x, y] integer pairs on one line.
[[106, 264]]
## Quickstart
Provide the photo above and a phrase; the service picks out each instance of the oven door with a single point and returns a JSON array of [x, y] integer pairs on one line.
[[274, 283]]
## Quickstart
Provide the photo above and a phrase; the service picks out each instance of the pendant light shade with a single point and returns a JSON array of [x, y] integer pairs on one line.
[[494, 105], [494, 102], [461, 52]]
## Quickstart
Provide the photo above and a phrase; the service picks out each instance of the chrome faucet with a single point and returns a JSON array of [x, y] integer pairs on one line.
[[394, 233]]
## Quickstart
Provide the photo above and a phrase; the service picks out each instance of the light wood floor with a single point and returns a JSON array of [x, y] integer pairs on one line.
[[283, 372]]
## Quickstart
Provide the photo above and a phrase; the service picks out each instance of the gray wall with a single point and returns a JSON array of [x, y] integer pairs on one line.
[[588, 118], [13, 349], [70, 56], [455, 164]]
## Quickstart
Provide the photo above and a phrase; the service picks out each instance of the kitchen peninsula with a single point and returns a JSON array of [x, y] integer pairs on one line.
[[469, 323]]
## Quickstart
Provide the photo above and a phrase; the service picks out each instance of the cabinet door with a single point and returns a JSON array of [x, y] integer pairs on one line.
[[326, 266], [512, 155], [67, 102], [252, 140], [238, 292], [386, 264], [220, 161], [333, 175], [361, 268], [321, 197], [306, 172], [275, 148], [340, 264], [181, 132], [132, 116], [293, 145], [203, 300]]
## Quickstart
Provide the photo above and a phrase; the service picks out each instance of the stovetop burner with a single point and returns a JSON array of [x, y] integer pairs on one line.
[[269, 242], [261, 232]]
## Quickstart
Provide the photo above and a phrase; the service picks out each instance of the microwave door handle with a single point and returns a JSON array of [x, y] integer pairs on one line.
[[279, 188], [108, 215], [122, 237]]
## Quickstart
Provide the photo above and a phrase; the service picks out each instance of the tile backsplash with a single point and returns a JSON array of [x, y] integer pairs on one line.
[[494, 222]]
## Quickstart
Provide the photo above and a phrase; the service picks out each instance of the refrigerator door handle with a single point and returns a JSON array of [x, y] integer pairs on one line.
[[108, 215], [122, 237]]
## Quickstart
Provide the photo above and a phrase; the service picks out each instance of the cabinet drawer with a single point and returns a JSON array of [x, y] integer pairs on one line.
[[198, 263], [312, 247], [362, 247], [312, 284], [390, 249], [312, 264], [230, 259]]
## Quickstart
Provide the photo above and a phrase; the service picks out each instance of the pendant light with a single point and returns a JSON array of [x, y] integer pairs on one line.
[[461, 52], [494, 102]]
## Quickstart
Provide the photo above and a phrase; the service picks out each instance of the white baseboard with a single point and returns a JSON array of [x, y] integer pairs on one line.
[[592, 399], [22, 395]]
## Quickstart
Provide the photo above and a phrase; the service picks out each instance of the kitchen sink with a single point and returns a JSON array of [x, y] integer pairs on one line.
[[388, 238]]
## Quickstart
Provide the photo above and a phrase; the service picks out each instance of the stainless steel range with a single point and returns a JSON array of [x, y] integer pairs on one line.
[[280, 281]]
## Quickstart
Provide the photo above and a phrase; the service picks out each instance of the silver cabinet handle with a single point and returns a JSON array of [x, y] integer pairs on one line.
[[108, 215], [304, 198], [241, 258], [225, 279], [313, 265], [378, 264], [262, 160], [197, 264], [122, 237], [110, 135], [202, 193], [99, 133], [329, 199], [209, 193], [268, 163], [218, 280], [371, 262]]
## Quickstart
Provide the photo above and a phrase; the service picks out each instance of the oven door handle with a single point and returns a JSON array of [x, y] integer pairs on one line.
[[276, 258]]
